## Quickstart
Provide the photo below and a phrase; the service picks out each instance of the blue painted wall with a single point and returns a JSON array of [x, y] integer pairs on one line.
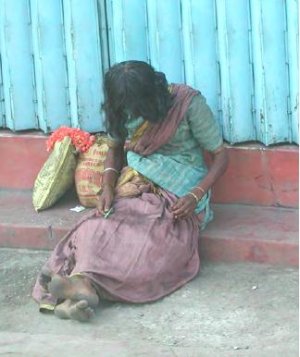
[[241, 54]]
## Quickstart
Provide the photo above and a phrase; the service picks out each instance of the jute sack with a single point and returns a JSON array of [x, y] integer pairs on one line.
[[56, 175], [89, 171]]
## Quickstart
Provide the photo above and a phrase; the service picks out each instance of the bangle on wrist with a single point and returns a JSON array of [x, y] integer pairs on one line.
[[111, 169], [195, 196], [200, 189]]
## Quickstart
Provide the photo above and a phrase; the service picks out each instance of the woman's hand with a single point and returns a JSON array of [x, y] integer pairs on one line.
[[105, 199], [184, 207]]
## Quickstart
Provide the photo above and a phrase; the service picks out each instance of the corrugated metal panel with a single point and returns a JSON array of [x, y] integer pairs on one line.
[[270, 71], [103, 28], [2, 109], [84, 63], [17, 65], [127, 30], [50, 64], [293, 57], [241, 54], [165, 38], [235, 70], [201, 63]]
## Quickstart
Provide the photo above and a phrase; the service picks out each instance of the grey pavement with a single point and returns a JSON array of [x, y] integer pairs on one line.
[[229, 310]]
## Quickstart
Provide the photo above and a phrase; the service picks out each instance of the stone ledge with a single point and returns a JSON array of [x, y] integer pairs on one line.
[[239, 233], [257, 175]]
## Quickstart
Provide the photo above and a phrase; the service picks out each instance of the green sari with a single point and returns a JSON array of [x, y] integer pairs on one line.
[[179, 165]]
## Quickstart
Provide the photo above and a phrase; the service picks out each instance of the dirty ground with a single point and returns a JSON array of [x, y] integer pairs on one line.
[[229, 310]]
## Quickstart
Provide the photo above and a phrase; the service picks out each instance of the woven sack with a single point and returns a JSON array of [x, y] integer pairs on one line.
[[56, 175], [89, 171]]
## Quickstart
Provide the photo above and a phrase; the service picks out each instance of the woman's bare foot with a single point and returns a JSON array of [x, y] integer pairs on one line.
[[75, 288], [75, 310], [45, 277]]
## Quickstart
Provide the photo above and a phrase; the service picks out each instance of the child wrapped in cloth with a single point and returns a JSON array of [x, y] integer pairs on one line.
[[141, 241]]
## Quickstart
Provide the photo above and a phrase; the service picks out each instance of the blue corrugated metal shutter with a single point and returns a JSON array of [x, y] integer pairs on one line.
[[52, 63], [51, 79], [127, 30], [201, 63], [17, 65], [292, 13], [270, 71], [241, 54], [84, 63]]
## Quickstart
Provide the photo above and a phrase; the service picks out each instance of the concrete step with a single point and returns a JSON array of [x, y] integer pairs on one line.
[[239, 233], [256, 174]]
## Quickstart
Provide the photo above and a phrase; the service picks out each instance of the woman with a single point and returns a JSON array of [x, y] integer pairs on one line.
[[141, 242]]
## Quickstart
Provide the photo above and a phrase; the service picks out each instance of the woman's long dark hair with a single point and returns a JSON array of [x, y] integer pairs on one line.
[[134, 88]]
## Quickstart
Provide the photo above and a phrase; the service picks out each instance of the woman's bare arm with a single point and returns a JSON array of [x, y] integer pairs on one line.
[[114, 160], [112, 167], [186, 205], [216, 170]]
